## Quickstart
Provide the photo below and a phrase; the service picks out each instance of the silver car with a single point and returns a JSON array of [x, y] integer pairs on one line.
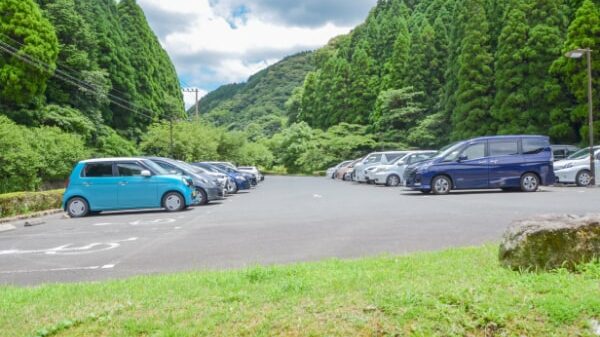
[[391, 174], [374, 159]]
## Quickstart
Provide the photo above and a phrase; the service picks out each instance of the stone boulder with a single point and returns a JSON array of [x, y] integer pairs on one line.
[[551, 241]]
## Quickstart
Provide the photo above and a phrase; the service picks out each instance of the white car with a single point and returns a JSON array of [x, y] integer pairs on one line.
[[576, 168], [253, 170], [374, 159], [332, 170], [391, 174]]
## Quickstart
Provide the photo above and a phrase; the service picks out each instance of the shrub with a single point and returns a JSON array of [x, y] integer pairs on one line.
[[111, 144], [18, 160], [18, 203]]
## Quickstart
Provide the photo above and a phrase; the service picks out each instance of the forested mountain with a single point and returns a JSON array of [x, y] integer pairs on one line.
[[108, 66], [261, 99], [80, 78], [427, 72]]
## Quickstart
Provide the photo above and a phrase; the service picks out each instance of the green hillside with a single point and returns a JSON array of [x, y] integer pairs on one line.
[[78, 78], [263, 95]]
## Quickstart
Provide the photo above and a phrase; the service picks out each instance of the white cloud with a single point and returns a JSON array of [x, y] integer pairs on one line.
[[189, 98], [211, 46]]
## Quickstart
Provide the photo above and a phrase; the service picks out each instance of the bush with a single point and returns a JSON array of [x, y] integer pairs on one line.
[[30, 156], [191, 141], [111, 144], [18, 203], [18, 160], [57, 152]]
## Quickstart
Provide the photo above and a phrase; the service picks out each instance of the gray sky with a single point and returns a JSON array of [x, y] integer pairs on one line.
[[214, 42]]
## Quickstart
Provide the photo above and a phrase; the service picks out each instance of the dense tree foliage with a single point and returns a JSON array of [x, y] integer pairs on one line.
[[77, 78], [471, 67]]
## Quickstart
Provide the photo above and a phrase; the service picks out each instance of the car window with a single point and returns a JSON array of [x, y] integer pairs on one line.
[[155, 167], [534, 145], [169, 168], [98, 170], [392, 156], [421, 157], [504, 147], [129, 169], [375, 158], [580, 154], [474, 151]]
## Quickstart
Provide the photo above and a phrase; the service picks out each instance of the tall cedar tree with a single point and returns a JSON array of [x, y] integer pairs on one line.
[[471, 117], [155, 77], [75, 58], [24, 30], [584, 32], [113, 54], [397, 66]]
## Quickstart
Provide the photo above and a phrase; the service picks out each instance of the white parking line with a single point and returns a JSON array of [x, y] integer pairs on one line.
[[69, 249], [106, 266]]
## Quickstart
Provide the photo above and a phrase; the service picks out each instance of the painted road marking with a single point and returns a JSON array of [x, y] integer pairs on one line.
[[68, 249], [137, 222], [318, 196], [106, 266]]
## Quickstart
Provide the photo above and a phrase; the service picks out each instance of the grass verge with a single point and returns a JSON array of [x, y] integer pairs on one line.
[[20, 203], [457, 292]]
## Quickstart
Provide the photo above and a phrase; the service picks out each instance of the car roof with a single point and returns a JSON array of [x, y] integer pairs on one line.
[[507, 136], [103, 160]]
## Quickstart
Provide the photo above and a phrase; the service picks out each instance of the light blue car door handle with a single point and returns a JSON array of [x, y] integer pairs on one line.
[[122, 183], [86, 184]]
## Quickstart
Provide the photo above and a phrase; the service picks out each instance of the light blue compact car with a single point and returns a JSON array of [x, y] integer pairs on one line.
[[125, 183]]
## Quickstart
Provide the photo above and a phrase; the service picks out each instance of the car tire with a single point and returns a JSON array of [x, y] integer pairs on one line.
[[77, 207], [583, 178], [530, 182], [203, 197], [234, 188], [441, 185], [173, 202], [392, 180]]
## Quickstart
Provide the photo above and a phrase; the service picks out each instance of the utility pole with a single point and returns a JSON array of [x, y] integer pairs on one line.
[[171, 136], [195, 91], [575, 54]]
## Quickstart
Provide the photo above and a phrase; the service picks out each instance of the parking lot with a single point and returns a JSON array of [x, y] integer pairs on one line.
[[285, 219]]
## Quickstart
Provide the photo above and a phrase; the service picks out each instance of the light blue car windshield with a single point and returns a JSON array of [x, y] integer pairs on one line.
[[156, 168]]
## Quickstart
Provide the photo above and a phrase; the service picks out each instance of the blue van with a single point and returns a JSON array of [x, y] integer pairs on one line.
[[504, 162], [124, 183]]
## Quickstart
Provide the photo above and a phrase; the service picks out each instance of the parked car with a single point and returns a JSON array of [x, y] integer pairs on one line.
[[505, 162], [347, 172], [576, 168], [252, 170], [563, 151], [240, 181], [374, 159], [208, 187], [125, 183], [331, 172], [232, 169], [393, 173]]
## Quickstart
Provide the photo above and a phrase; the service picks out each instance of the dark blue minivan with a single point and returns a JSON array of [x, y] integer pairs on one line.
[[504, 162]]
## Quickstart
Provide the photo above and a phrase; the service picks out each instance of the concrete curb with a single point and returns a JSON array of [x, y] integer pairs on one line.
[[30, 216], [6, 227]]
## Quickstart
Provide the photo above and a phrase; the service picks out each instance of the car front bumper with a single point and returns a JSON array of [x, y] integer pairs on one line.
[[566, 176]]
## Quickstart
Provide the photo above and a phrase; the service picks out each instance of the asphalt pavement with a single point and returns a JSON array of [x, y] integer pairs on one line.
[[284, 220]]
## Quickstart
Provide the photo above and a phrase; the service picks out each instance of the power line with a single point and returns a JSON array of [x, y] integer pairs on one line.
[[66, 77], [63, 65]]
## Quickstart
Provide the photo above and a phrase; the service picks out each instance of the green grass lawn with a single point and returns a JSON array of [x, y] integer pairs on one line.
[[457, 292]]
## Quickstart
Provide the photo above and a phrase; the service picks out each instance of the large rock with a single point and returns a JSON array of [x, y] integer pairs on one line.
[[551, 241]]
